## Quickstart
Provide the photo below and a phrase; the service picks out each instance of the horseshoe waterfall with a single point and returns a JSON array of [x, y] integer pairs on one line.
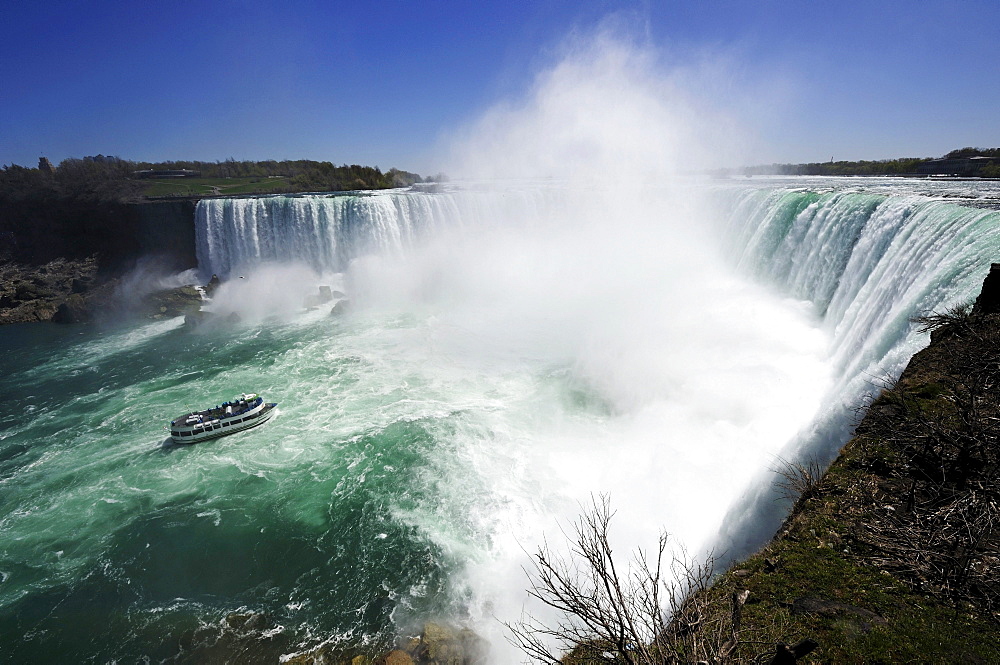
[[498, 354]]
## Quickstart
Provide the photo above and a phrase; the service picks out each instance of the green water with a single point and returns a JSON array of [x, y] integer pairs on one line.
[[117, 545], [484, 386]]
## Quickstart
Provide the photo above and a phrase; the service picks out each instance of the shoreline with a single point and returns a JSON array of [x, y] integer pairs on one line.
[[872, 561]]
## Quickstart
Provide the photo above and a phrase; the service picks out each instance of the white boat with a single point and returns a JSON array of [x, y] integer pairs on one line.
[[246, 411]]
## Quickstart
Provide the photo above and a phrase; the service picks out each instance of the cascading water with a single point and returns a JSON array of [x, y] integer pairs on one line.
[[324, 232], [868, 261], [510, 352], [869, 258], [865, 259]]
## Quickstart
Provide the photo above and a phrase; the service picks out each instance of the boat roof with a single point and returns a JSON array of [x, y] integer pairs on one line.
[[242, 396]]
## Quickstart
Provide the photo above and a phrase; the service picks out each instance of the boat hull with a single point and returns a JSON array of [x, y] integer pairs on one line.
[[225, 427]]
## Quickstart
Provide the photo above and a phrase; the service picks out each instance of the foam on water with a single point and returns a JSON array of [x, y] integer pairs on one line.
[[485, 384], [511, 349]]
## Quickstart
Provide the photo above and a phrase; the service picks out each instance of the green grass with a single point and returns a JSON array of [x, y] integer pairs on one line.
[[210, 186], [815, 556]]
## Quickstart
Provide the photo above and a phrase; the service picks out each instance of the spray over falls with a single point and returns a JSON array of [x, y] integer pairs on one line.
[[696, 355], [512, 351]]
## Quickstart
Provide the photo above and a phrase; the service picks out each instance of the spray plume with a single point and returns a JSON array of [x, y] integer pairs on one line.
[[591, 259]]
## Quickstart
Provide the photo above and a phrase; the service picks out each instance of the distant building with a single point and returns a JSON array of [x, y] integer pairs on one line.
[[962, 166], [177, 173], [45, 166]]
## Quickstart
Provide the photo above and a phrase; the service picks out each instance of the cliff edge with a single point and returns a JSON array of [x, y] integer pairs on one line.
[[892, 555], [63, 260]]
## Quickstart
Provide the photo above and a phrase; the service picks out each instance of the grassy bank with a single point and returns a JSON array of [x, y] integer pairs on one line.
[[891, 556], [214, 186]]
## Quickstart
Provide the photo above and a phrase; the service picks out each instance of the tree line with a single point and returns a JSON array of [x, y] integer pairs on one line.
[[111, 178], [899, 166]]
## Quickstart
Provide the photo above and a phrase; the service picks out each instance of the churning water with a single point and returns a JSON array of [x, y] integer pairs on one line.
[[509, 351]]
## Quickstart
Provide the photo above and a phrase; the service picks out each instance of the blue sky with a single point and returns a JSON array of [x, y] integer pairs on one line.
[[388, 83]]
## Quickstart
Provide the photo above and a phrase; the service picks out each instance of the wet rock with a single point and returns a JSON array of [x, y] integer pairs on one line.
[[73, 310], [443, 645], [341, 308], [245, 623], [325, 295], [395, 657], [195, 319], [81, 284], [988, 301], [476, 648], [172, 302], [212, 285], [438, 644], [33, 293]]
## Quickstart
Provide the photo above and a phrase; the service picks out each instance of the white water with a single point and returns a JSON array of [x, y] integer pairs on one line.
[[513, 348], [623, 330], [698, 352]]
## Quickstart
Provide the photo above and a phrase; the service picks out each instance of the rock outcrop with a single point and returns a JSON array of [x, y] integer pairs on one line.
[[341, 308], [988, 301], [325, 295], [171, 302], [35, 293], [66, 291], [438, 644], [891, 555]]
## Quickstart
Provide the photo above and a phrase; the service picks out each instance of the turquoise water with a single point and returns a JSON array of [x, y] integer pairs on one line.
[[347, 517], [507, 355], [117, 544]]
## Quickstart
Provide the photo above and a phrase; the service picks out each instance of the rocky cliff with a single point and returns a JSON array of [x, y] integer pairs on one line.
[[892, 555], [59, 255]]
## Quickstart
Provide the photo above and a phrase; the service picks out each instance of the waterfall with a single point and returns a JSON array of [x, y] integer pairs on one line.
[[866, 259], [327, 231], [323, 231], [869, 262], [509, 353]]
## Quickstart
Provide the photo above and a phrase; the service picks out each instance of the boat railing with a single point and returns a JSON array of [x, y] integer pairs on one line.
[[199, 419]]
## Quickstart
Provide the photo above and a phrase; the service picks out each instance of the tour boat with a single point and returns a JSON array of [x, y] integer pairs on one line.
[[244, 412]]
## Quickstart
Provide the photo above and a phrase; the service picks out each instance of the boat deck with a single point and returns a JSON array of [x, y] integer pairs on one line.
[[213, 413], [215, 428]]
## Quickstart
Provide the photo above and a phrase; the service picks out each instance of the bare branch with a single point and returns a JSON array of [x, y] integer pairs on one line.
[[653, 611]]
